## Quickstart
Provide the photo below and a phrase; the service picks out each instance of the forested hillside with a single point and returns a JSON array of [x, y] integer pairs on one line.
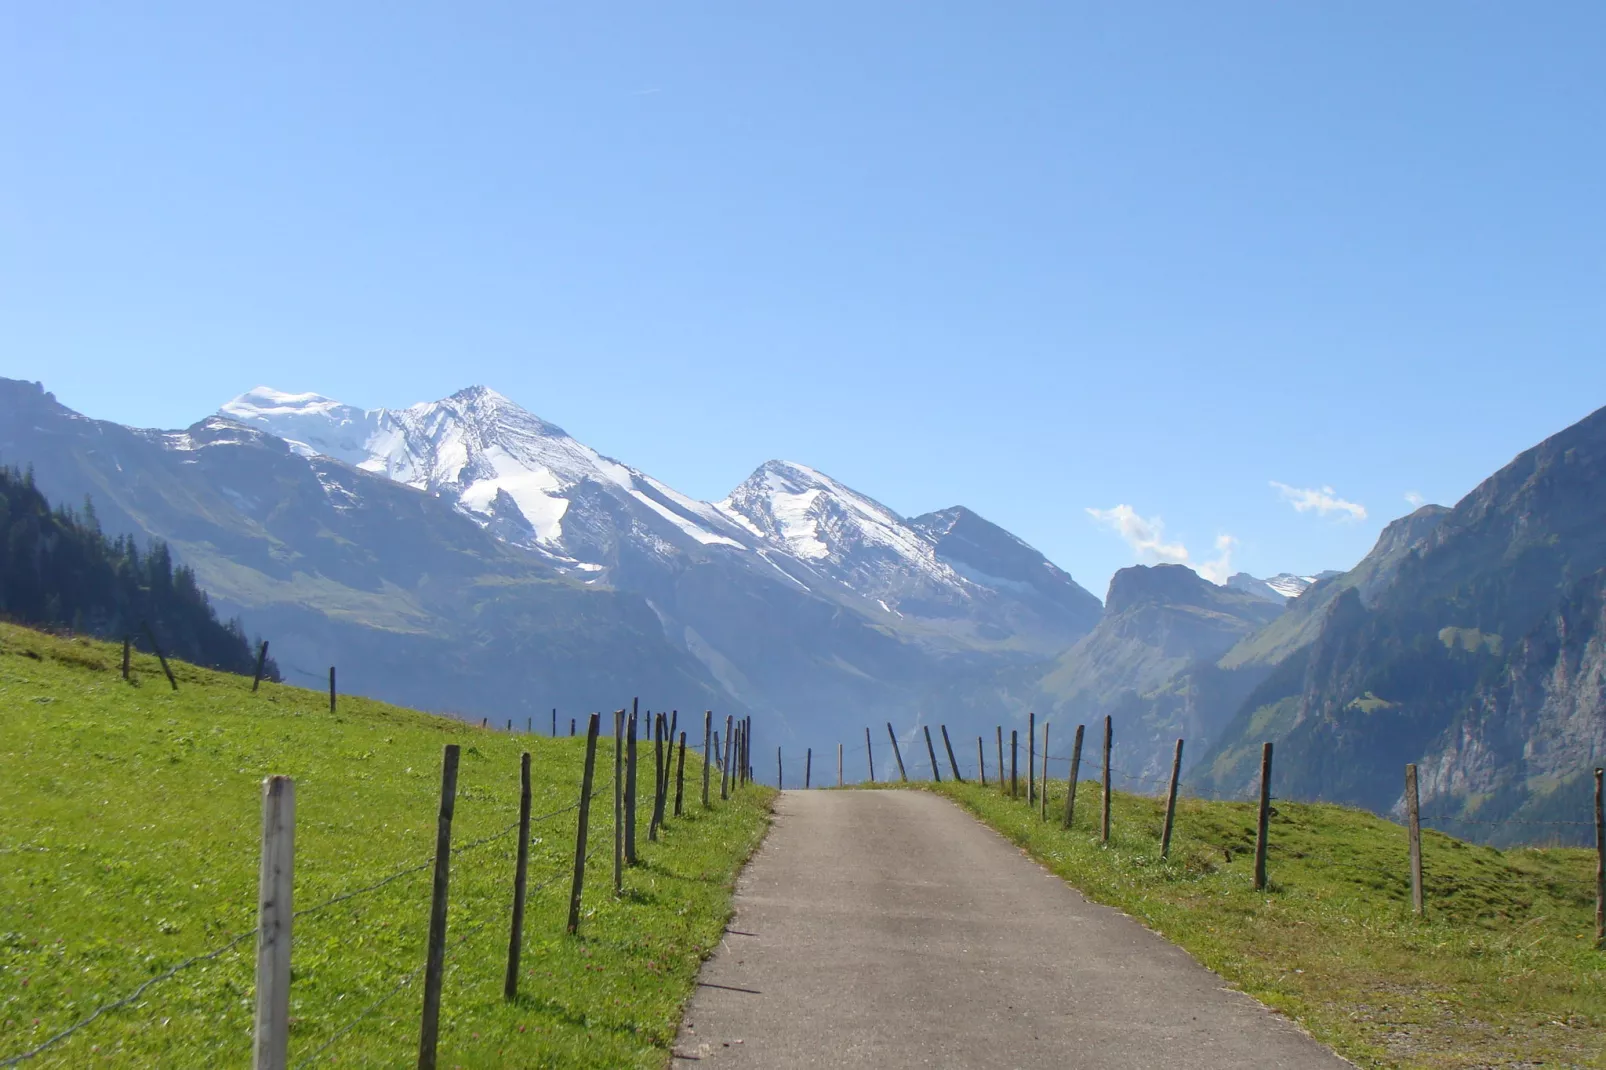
[[58, 570]]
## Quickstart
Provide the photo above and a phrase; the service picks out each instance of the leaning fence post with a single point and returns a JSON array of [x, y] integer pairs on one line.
[[1076, 772], [708, 724], [331, 689], [953, 766], [896, 753], [725, 768], [592, 726], [1265, 816], [1104, 833], [256, 681], [521, 868], [1171, 802], [1413, 824], [981, 761], [931, 754], [869, 753], [157, 647], [808, 767], [274, 912], [618, 802], [680, 774], [1600, 865], [435, 958], [630, 789], [1042, 781]]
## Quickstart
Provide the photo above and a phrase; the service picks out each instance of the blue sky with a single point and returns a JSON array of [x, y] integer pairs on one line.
[[1038, 259]]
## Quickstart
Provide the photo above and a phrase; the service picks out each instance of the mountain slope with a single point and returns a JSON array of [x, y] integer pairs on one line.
[[1467, 646]]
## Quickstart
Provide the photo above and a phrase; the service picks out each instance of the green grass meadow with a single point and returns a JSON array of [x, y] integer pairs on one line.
[[130, 839], [1501, 972]]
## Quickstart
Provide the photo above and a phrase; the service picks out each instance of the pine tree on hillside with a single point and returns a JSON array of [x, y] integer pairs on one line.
[[58, 570]]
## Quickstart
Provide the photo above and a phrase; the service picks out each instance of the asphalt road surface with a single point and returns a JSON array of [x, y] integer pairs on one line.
[[890, 929]]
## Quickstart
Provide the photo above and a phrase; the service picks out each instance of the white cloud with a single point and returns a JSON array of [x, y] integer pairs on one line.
[[1415, 499], [1146, 536], [1321, 500]]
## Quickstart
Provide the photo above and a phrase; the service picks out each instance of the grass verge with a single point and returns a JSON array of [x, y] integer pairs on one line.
[[1502, 971], [129, 840]]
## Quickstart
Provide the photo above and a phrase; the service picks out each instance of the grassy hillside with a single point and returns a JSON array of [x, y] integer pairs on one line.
[[1501, 973], [130, 838]]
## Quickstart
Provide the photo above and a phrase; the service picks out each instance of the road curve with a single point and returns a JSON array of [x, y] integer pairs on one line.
[[889, 929]]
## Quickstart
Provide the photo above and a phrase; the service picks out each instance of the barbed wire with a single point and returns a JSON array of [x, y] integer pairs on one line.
[[131, 997]]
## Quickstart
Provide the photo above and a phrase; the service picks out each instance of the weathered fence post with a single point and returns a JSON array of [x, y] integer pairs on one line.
[[839, 765], [931, 754], [435, 957], [618, 802], [869, 753], [1104, 824], [1042, 781], [571, 727], [953, 766], [274, 913], [554, 722], [630, 787], [1070, 780], [1413, 825], [1600, 865], [1265, 817], [897, 754], [725, 769], [256, 680], [659, 781], [1031, 758], [780, 772], [585, 816], [331, 689], [981, 761], [150, 633], [521, 869], [680, 774], [808, 767], [1171, 802], [708, 724], [1003, 785], [1014, 763]]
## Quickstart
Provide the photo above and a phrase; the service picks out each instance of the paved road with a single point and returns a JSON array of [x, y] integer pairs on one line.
[[889, 929]]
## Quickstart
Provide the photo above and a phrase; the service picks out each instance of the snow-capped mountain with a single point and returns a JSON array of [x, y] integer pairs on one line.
[[1279, 588], [528, 482]]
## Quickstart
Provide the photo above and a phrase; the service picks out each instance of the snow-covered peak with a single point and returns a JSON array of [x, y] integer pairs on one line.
[[1279, 588], [817, 518], [310, 423]]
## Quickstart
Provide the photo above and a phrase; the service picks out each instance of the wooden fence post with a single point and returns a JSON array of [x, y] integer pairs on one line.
[[274, 912], [554, 722], [780, 772], [680, 774], [897, 754], [839, 765], [1031, 758], [630, 788], [127, 643], [1003, 785], [157, 647], [659, 781], [1042, 781], [618, 801], [1265, 817], [1413, 825], [1104, 826], [256, 681], [808, 767], [1600, 865], [739, 770], [725, 769], [521, 869], [331, 689], [435, 958], [1014, 763], [585, 817], [708, 724], [981, 761], [931, 754], [869, 753], [571, 727], [1171, 802], [953, 766], [1071, 779]]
